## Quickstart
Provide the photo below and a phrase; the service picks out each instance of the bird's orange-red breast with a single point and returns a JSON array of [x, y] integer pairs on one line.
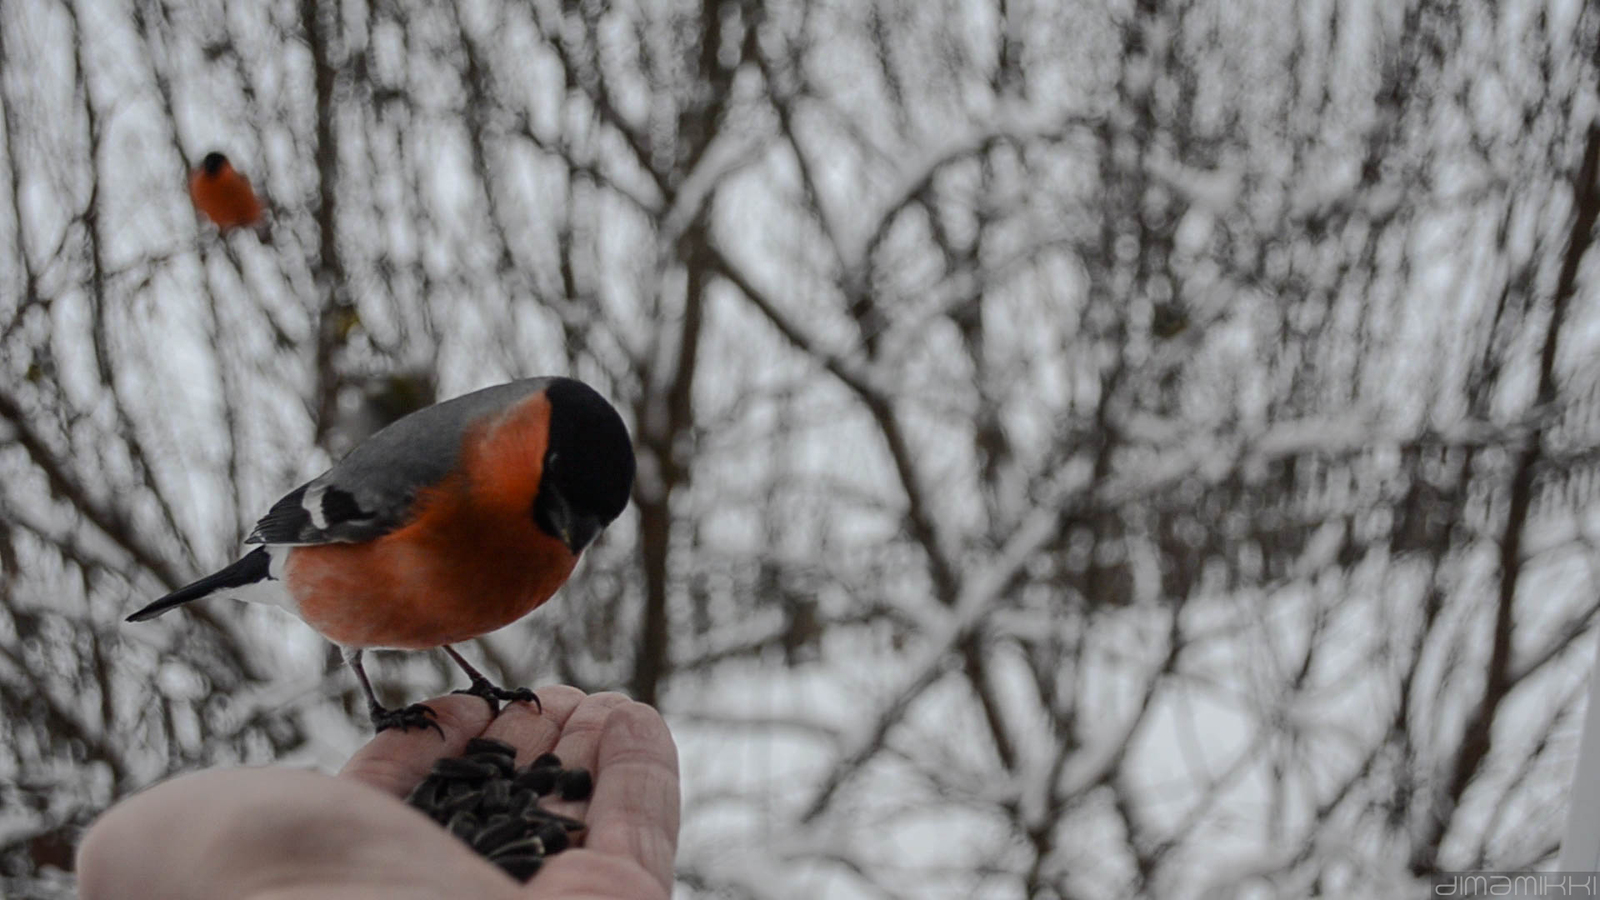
[[223, 195], [452, 522], [395, 591]]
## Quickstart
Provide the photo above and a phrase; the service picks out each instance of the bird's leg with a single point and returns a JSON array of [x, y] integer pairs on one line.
[[406, 718], [491, 693]]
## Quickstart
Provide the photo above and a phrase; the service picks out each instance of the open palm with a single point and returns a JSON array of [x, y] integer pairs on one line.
[[285, 834]]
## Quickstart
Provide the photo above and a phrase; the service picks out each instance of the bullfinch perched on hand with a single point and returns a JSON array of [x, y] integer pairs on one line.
[[224, 196], [454, 521]]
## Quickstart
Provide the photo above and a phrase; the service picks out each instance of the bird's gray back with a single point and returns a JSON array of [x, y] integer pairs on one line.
[[370, 491]]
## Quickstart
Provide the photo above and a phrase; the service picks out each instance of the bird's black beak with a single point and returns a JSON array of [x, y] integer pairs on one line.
[[556, 517], [581, 530]]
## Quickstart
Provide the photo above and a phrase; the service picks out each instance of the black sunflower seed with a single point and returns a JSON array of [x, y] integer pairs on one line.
[[496, 796], [426, 796], [491, 746], [463, 825], [521, 847], [468, 802], [520, 867], [545, 761], [553, 836], [538, 814], [520, 801], [575, 784], [495, 836], [539, 780], [458, 769]]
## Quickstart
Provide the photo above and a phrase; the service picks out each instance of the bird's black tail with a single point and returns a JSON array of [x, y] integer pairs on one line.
[[248, 570]]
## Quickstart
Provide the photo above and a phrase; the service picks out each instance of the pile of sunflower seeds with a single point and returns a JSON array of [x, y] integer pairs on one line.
[[483, 799]]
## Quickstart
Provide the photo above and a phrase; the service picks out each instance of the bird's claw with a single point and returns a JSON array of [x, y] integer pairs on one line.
[[417, 715], [493, 695]]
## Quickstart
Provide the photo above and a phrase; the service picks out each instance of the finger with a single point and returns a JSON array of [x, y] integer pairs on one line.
[[580, 733], [579, 738], [239, 833], [395, 761], [634, 811], [534, 731]]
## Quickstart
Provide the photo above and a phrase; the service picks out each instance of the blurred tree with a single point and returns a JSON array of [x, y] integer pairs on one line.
[[1096, 450]]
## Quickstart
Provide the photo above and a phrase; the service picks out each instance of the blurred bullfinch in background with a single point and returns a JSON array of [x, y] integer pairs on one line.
[[223, 195], [454, 521]]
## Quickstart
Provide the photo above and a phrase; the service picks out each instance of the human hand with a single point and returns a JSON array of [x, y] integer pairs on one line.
[[286, 834]]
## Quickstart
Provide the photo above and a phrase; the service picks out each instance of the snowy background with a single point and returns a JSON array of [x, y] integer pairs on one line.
[[1087, 449]]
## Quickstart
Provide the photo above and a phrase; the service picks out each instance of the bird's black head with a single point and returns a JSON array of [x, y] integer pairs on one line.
[[213, 164], [588, 465]]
